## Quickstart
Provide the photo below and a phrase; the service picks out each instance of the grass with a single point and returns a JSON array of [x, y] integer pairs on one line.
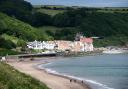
[[20, 29], [50, 12], [13, 79], [51, 6], [12, 38]]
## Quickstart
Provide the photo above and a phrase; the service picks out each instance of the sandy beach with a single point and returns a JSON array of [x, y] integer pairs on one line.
[[52, 81]]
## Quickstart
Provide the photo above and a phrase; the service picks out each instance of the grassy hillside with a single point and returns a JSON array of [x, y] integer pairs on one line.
[[15, 33], [12, 79], [15, 40], [19, 29]]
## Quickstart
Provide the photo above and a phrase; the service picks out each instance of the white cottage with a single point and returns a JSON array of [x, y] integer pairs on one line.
[[40, 45]]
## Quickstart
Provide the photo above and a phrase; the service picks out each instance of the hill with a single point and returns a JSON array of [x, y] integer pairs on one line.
[[15, 33], [19, 29], [60, 22], [112, 26], [24, 11], [93, 23], [13, 79], [110, 23]]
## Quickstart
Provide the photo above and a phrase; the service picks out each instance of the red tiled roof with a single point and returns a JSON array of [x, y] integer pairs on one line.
[[87, 40]]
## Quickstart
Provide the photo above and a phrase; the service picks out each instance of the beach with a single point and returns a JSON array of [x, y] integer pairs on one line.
[[51, 80]]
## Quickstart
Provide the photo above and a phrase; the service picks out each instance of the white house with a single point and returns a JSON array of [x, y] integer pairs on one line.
[[84, 44], [40, 45]]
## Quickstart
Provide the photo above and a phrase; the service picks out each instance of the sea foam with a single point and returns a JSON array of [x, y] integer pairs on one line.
[[93, 84]]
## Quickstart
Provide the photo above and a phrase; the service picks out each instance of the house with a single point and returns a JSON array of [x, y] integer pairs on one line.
[[87, 44], [35, 45], [84, 44], [63, 45], [40, 45]]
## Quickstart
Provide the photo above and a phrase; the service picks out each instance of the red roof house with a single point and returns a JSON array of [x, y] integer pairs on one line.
[[86, 40]]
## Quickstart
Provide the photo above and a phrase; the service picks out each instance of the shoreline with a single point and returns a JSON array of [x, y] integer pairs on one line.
[[72, 78], [53, 81]]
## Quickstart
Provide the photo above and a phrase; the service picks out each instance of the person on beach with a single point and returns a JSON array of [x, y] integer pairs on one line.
[[82, 82], [70, 80], [74, 80]]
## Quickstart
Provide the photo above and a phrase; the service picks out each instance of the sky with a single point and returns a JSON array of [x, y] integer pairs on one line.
[[88, 3]]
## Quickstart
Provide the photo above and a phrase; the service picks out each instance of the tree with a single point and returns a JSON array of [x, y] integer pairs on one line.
[[6, 44], [39, 19]]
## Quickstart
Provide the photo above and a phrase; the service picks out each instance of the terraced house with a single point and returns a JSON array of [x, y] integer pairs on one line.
[[83, 45]]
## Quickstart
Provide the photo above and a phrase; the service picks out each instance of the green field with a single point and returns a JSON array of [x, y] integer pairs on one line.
[[51, 6], [13, 79], [50, 12]]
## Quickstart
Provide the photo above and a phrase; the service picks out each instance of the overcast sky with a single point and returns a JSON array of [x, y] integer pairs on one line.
[[91, 3]]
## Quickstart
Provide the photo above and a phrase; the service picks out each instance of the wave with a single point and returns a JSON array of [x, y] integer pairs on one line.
[[93, 84]]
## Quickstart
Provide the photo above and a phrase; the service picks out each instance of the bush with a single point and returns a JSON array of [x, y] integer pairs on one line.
[[21, 43], [4, 52], [6, 44]]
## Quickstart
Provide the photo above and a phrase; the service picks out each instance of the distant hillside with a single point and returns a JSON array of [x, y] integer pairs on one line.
[[50, 9], [19, 29], [20, 9], [112, 26], [56, 9], [93, 23], [24, 11]]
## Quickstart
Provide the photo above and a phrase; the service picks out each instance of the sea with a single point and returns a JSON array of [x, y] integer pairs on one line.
[[106, 71]]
